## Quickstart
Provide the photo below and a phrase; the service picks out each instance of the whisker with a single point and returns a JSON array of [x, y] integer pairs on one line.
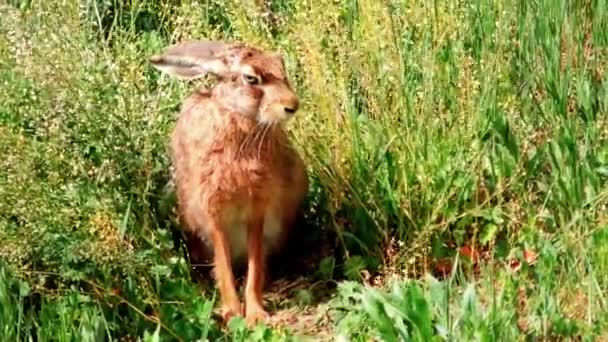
[[266, 129], [249, 138], [261, 139], [258, 132]]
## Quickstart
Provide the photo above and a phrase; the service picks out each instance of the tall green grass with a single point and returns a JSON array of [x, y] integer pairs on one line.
[[426, 127]]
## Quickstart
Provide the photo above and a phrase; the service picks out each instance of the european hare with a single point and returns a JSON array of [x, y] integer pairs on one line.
[[239, 181]]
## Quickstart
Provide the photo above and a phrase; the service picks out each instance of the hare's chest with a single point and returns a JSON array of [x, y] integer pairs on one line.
[[236, 219]]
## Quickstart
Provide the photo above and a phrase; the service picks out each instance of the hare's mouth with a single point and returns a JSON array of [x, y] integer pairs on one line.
[[275, 114]]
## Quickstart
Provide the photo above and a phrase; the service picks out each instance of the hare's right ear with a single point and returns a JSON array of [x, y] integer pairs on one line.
[[193, 59]]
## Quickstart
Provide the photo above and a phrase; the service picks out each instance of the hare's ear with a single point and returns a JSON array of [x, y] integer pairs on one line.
[[279, 57], [193, 59]]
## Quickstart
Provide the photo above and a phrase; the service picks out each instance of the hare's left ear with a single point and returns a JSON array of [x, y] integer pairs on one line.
[[193, 59]]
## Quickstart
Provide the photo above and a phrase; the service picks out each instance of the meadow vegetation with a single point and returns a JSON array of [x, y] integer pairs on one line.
[[457, 152]]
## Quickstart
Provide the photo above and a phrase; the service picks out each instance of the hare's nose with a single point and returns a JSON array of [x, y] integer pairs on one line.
[[292, 107]]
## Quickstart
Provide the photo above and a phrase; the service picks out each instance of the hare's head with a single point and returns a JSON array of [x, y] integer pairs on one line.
[[251, 82]]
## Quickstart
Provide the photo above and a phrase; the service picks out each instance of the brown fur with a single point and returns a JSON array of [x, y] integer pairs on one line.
[[239, 181]]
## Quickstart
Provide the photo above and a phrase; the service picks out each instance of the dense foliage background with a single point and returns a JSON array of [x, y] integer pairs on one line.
[[457, 152]]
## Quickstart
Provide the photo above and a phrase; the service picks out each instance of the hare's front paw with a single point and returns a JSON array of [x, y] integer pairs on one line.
[[229, 311], [255, 314]]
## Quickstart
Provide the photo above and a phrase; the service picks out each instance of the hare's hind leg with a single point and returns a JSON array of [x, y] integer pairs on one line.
[[231, 306], [254, 307]]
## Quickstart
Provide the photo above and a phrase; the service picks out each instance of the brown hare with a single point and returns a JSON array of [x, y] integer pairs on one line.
[[239, 181]]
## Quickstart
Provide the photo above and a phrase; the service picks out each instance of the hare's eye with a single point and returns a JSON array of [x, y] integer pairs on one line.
[[251, 79]]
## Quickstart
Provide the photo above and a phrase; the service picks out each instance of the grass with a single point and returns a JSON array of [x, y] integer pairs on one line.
[[457, 151]]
